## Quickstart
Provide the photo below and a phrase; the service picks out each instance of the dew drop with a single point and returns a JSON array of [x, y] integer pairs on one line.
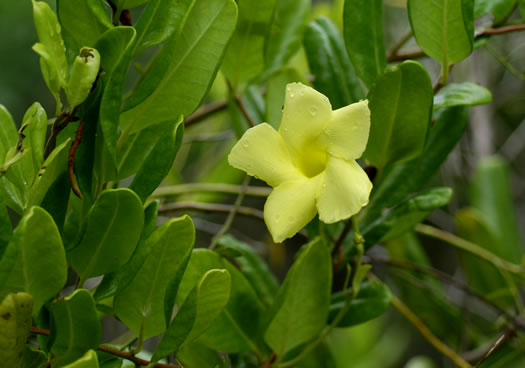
[[277, 218], [313, 110], [302, 93], [291, 219], [288, 88], [324, 185], [292, 94], [245, 144], [274, 169], [285, 129]]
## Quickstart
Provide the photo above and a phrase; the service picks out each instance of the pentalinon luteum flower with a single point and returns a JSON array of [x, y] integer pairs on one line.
[[310, 161]]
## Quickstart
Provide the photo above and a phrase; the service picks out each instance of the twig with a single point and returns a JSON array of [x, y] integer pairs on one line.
[[447, 278], [471, 248], [501, 30], [175, 190], [238, 101], [210, 207], [204, 112], [229, 220], [427, 334], [499, 342], [60, 123], [120, 354], [393, 51], [71, 161]]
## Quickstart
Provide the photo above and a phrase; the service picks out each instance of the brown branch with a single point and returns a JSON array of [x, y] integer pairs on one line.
[[499, 342], [71, 161], [249, 119], [112, 351], [60, 123], [502, 30], [205, 112], [516, 321]]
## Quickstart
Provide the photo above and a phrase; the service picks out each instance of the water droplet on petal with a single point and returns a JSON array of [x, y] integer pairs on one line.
[[245, 144], [274, 169], [277, 218], [302, 93], [313, 110], [285, 129], [291, 219], [288, 88], [324, 185], [292, 94]]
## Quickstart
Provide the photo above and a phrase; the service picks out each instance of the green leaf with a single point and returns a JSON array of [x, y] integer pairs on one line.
[[481, 275], [83, 22], [53, 167], [157, 164], [159, 21], [253, 267], [115, 47], [88, 360], [444, 29], [462, 94], [401, 179], [405, 215], [499, 8], [237, 327], [76, 327], [371, 302], [112, 232], [182, 73], [198, 355], [51, 49], [200, 309], [56, 200], [285, 32], [400, 107], [363, 33], [34, 358], [34, 261], [145, 303], [253, 103], [335, 76], [129, 4], [244, 58], [8, 133], [6, 229], [34, 128], [298, 315], [15, 327], [84, 72], [490, 193]]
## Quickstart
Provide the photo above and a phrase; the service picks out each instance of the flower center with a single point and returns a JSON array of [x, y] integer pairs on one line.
[[312, 160]]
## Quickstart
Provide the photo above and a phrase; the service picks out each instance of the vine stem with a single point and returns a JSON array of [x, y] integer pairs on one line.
[[121, 354], [231, 216], [471, 248], [427, 334], [175, 190]]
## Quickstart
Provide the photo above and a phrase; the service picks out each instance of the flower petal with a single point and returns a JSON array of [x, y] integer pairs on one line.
[[306, 114], [261, 152], [347, 134], [344, 190], [290, 207]]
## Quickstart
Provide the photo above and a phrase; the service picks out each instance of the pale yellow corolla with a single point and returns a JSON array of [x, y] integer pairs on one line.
[[310, 161]]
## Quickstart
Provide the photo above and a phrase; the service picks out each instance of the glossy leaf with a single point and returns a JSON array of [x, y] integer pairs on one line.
[[499, 8], [34, 261], [159, 21], [285, 32], [444, 29], [112, 232], [15, 327], [400, 180], [157, 164], [76, 327], [237, 328], [185, 68], [200, 309], [371, 302], [364, 38], [34, 358], [145, 303], [400, 106], [83, 22], [299, 315], [405, 215], [115, 47], [34, 128], [198, 355], [88, 360], [8, 132], [491, 195], [335, 76], [84, 72], [53, 167], [129, 4], [244, 57], [6, 229], [253, 267], [462, 94], [481, 275], [51, 49]]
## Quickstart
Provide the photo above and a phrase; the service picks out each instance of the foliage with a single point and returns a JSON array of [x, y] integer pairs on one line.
[[147, 98]]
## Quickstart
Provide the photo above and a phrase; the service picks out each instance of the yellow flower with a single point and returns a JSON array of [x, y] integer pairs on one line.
[[310, 161]]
